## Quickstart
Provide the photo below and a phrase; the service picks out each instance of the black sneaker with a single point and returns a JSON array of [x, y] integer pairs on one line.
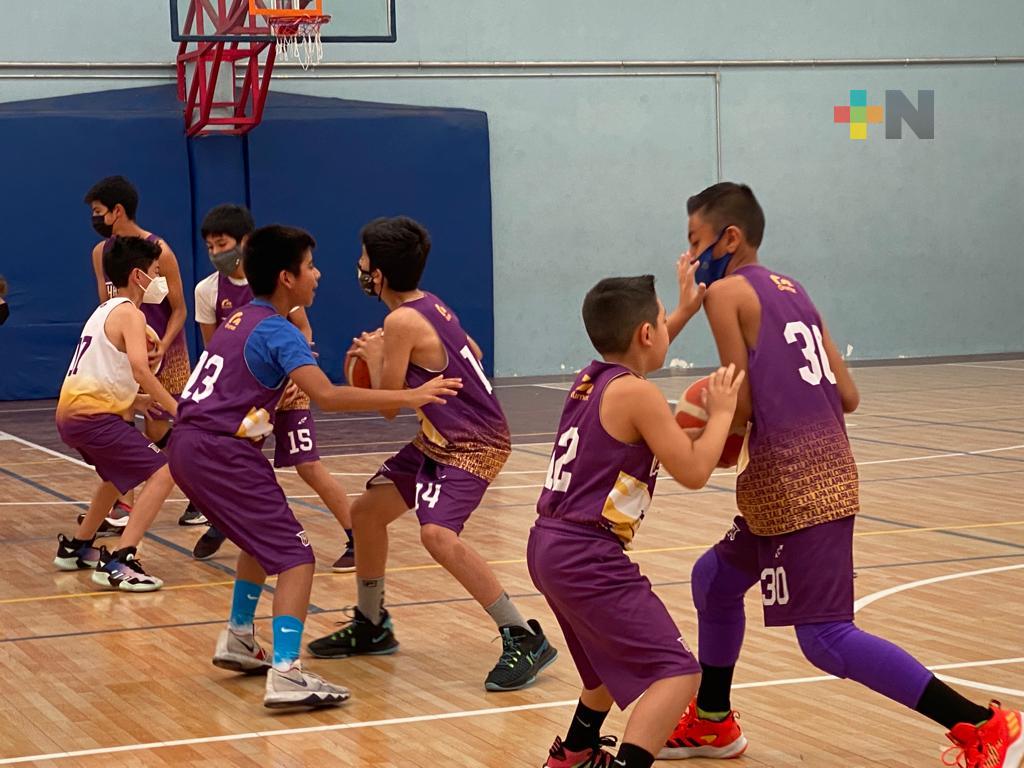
[[192, 516], [524, 655], [113, 524], [357, 638], [71, 559], [208, 544]]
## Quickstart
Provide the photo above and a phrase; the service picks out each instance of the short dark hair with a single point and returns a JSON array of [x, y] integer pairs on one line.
[[113, 190], [269, 251], [127, 254], [729, 204], [398, 247], [615, 307], [228, 219]]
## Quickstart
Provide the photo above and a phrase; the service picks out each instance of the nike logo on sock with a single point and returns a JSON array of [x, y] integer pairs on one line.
[[618, 762], [289, 631], [252, 597]]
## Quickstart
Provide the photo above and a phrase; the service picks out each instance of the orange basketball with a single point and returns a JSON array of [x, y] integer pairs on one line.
[[152, 340], [690, 413], [357, 371]]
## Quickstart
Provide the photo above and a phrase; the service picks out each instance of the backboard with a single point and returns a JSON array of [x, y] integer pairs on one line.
[[352, 21]]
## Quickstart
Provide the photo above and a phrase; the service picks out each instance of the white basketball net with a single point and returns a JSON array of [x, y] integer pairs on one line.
[[299, 38]]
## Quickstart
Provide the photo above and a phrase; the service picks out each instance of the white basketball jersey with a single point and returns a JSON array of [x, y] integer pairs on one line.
[[99, 379]]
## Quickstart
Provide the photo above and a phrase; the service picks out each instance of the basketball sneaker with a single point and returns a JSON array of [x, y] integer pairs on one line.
[[240, 653], [124, 572], [358, 637], [113, 524], [74, 559], [192, 516], [996, 743], [208, 544], [593, 757], [524, 654], [694, 737], [346, 563], [296, 688]]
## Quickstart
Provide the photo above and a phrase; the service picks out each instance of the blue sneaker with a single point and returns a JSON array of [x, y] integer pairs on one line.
[[124, 572], [69, 559], [524, 655]]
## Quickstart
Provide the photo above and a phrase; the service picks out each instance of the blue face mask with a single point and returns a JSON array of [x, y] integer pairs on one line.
[[711, 269]]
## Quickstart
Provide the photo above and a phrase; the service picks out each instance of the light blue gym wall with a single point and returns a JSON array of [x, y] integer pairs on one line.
[[910, 248]]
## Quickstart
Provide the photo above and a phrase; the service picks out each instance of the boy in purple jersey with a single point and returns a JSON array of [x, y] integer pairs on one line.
[[114, 203], [226, 410], [225, 229], [797, 493], [444, 472], [615, 432]]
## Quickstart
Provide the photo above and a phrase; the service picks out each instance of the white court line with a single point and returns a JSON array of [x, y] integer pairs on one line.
[[979, 365], [47, 451], [875, 596], [440, 716]]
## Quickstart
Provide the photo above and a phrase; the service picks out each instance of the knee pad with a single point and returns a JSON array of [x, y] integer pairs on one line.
[[821, 643], [718, 587]]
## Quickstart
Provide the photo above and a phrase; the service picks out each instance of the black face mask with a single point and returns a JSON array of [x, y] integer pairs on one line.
[[366, 282], [102, 229], [5, 312]]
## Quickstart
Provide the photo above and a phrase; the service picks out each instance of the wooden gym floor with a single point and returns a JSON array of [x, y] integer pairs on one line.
[[940, 570]]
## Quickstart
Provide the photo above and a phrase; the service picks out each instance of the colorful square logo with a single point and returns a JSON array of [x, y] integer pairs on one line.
[[859, 114]]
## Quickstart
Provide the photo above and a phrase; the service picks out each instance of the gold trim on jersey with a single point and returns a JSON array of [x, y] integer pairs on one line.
[[797, 479], [626, 506], [176, 367]]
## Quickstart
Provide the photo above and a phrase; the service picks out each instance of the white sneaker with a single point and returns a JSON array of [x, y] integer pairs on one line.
[[296, 688], [240, 654]]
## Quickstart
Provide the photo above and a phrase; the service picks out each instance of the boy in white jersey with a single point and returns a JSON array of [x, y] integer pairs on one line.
[[99, 395]]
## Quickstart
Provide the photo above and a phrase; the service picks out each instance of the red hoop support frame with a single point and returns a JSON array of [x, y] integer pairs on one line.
[[207, 58]]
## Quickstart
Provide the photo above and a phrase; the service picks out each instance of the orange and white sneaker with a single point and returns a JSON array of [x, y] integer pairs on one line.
[[594, 757], [997, 743], [694, 737]]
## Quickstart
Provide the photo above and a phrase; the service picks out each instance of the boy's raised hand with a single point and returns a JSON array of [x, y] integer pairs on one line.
[[722, 391]]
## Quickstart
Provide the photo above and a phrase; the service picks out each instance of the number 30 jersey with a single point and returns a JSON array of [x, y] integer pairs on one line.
[[237, 383], [800, 470], [594, 479]]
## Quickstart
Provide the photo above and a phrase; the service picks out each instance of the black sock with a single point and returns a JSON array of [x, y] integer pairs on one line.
[[632, 756], [585, 729], [945, 706], [79, 543], [715, 685], [123, 552], [348, 533]]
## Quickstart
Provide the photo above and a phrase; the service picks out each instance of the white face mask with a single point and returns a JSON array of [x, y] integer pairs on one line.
[[156, 291]]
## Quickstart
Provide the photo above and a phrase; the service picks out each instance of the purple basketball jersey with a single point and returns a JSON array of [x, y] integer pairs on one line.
[[594, 479], [222, 396], [230, 297], [800, 470], [469, 431]]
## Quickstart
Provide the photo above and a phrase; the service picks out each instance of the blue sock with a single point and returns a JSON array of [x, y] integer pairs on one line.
[[287, 641], [243, 605]]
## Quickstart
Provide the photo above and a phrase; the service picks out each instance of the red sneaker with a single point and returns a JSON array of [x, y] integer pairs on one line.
[[594, 757], [694, 737], [997, 743]]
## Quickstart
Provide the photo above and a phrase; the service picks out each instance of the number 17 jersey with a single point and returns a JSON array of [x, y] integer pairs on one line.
[[593, 479]]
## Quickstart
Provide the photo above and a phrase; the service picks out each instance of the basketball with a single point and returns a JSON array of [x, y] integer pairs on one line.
[[152, 340], [357, 371], [690, 413]]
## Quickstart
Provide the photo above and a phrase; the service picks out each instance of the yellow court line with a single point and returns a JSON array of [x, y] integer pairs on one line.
[[517, 561]]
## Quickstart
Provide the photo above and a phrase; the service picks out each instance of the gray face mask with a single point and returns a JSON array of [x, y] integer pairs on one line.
[[227, 262]]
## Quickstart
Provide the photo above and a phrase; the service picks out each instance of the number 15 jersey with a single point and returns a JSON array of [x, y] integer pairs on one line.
[[594, 479], [237, 383]]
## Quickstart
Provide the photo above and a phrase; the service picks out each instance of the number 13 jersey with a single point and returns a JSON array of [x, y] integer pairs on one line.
[[237, 383], [800, 471], [594, 479]]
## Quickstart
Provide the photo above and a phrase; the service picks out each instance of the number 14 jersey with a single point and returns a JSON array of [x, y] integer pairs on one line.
[[594, 479]]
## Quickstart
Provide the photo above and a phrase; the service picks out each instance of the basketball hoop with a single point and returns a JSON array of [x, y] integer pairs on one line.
[[295, 24]]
